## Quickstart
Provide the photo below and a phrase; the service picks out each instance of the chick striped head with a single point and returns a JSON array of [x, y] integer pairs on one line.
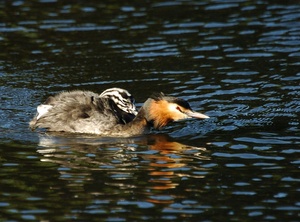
[[122, 98]]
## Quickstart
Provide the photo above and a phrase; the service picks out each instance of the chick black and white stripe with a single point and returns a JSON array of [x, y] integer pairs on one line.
[[122, 98]]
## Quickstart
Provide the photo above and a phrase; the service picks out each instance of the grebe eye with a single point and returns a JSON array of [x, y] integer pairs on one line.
[[178, 108]]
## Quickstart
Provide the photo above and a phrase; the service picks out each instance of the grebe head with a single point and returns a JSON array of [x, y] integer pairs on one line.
[[161, 109], [122, 98]]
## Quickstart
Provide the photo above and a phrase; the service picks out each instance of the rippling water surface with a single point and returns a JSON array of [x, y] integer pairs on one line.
[[236, 61]]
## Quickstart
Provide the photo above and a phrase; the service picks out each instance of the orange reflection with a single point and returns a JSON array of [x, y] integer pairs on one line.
[[167, 165]]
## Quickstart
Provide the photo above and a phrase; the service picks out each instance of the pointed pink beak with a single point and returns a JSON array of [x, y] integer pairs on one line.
[[196, 115]]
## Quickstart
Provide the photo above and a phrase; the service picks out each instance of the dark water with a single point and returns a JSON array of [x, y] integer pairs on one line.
[[237, 61]]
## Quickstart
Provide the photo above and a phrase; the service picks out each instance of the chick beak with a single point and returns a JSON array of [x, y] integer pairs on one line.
[[193, 114], [134, 112]]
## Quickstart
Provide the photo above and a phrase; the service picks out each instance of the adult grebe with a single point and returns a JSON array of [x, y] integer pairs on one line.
[[95, 118]]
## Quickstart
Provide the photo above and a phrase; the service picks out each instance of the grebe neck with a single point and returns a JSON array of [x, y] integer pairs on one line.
[[139, 125]]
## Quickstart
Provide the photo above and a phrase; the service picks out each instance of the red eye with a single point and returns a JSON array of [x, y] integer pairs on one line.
[[178, 108]]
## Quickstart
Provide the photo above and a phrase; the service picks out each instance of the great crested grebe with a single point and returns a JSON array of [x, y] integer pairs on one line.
[[87, 114]]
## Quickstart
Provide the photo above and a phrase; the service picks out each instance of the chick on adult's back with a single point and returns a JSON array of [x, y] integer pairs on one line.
[[85, 111]]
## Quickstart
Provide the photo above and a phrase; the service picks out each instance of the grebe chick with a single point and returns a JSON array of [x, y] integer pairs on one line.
[[122, 98], [79, 111], [95, 118]]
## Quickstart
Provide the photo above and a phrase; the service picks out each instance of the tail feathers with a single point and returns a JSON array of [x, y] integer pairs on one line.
[[41, 110], [32, 124]]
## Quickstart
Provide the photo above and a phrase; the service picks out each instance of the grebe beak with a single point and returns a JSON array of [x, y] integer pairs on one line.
[[193, 114]]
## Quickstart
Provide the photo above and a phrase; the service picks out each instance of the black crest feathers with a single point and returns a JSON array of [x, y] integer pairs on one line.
[[161, 96], [157, 96]]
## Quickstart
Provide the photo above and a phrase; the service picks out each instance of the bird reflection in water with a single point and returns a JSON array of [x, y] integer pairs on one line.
[[152, 163], [170, 158]]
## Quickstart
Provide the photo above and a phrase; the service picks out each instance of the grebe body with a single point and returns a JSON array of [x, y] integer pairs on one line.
[[85, 111], [98, 115]]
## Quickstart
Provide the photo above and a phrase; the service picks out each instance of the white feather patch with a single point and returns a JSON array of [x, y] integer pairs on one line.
[[42, 110]]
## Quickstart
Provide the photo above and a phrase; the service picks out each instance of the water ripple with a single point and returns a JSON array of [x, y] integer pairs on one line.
[[236, 61]]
